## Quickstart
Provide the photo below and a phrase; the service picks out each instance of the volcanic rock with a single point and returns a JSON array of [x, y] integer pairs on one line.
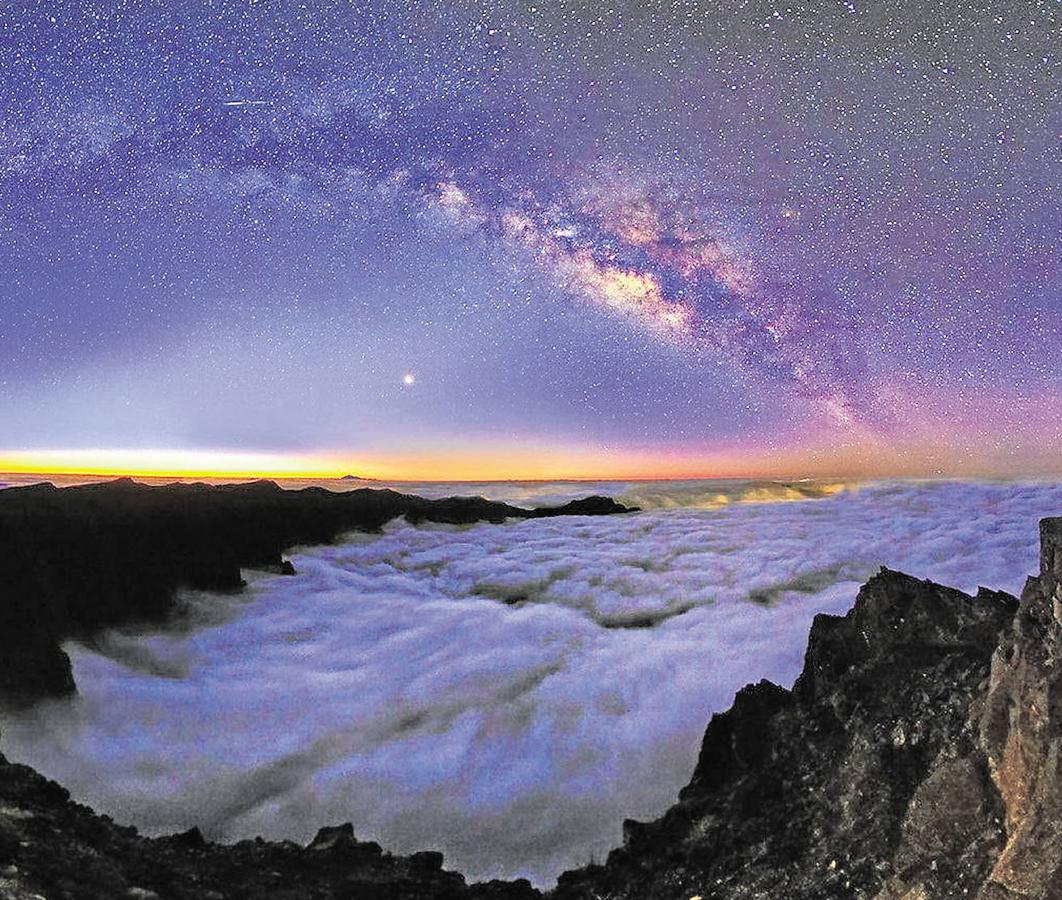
[[56, 849], [870, 779]]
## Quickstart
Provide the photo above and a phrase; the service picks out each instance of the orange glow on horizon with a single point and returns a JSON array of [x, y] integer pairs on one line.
[[164, 464], [493, 464], [528, 462]]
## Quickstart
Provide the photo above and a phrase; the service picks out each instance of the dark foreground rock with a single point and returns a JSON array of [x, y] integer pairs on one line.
[[917, 757], [76, 560], [58, 850]]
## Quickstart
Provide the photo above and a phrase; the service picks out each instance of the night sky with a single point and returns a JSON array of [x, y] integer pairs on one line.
[[531, 239]]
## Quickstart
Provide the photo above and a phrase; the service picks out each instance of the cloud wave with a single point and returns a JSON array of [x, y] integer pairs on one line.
[[505, 694]]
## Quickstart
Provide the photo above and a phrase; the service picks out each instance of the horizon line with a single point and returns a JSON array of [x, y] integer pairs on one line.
[[317, 476], [498, 465], [267, 476]]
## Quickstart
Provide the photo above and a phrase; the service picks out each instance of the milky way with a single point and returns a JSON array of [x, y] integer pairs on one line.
[[808, 237], [625, 257]]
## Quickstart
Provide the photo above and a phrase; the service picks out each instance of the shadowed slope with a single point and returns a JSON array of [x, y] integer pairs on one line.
[[51, 847]]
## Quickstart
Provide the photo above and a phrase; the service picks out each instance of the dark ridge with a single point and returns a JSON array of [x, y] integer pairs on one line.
[[806, 583], [520, 597], [51, 847], [81, 559], [644, 620]]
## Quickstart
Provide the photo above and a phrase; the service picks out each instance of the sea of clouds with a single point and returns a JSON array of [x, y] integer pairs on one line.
[[507, 694]]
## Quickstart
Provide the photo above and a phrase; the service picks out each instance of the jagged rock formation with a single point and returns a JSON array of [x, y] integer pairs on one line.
[[1020, 722], [79, 559], [55, 849], [917, 757]]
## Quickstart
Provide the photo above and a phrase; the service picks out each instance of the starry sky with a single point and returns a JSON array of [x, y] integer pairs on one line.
[[534, 239]]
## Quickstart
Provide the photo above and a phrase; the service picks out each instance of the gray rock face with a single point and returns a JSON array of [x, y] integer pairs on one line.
[[903, 764], [1021, 733]]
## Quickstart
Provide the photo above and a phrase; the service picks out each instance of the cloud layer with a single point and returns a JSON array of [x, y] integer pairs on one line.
[[505, 694]]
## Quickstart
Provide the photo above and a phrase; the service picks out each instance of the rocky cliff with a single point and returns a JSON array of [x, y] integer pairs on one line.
[[79, 559], [918, 756]]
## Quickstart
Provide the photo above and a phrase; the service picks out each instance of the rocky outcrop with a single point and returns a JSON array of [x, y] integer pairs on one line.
[[1021, 732], [918, 757], [55, 849], [79, 559]]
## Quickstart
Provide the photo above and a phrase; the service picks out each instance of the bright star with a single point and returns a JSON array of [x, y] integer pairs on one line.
[[408, 378]]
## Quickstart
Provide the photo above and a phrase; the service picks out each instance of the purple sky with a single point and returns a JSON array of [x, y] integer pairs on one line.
[[646, 238]]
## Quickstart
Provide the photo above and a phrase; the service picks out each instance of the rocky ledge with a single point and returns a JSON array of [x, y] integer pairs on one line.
[[53, 849], [80, 559], [916, 758]]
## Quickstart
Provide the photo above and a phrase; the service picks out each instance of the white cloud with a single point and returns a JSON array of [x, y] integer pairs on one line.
[[390, 683]]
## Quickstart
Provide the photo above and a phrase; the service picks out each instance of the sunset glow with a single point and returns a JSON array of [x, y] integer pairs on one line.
[[172, 463], [534, 462]]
